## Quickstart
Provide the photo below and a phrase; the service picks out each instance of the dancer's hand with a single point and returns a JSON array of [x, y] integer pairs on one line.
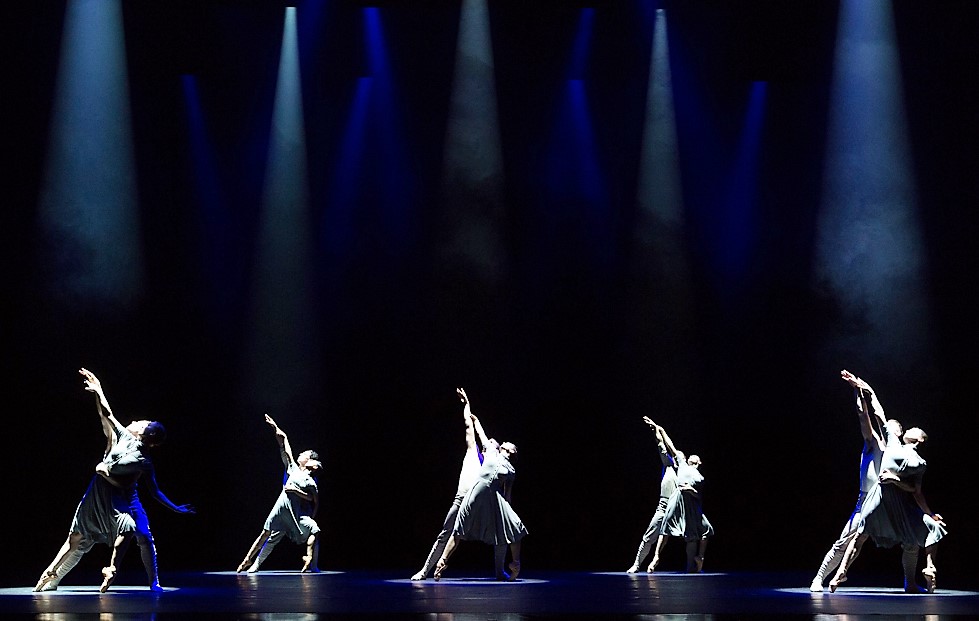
[[92, 383], [649, 422], [185, 509], [886, 476], [938, 518], [855, 381], [462, 396]]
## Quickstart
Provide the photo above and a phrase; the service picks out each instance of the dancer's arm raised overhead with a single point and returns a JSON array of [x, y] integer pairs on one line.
[[467, 412], [467, 417], [93, 385], [285, 449]]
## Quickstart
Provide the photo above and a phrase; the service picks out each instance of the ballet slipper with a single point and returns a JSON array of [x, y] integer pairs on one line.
[[514, 568], [931, 576], [836, 582], [46, 578], [816, 586], [632, 570], [439, 568], [307, 565], [419, 576], [108, 577]]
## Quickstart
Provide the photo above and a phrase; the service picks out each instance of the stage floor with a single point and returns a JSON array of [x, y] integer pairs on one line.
[[537, 595]]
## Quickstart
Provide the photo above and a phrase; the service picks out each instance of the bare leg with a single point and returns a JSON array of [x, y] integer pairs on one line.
[[252, 551], [701, 553], [852, 549], [450, 547], [930, 572], [659, 548], [118, 552], [311, 562], [514, 565]]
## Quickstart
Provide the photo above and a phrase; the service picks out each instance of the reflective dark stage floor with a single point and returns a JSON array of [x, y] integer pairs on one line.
[[336, 595]]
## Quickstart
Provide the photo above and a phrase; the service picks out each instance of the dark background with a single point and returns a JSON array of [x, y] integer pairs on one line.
[[562, 349]]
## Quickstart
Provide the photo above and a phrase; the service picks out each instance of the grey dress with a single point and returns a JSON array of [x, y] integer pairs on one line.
[[890, 514], [684, 511], [106, 510], [485, 515], [292, 515]]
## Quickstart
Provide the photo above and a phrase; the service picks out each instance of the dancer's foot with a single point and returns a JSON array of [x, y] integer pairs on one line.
[[419, 576], [632, 570], [816, 586], [439, 568], [308, 567], [44, 582], [245, 564], [514, 568], [835, 583], [698, 563], [931, 576], [253, 569], [108, 577], [503, 576], [156, 588], [913, 588], [652, 564]]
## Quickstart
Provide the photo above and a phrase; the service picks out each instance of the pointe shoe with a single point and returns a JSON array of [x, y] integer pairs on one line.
[[108, 577], [419, 576], [931, 576], [514, 568], [836, 582], [439, 568], [816, 586], [632, 570], [44, 583]]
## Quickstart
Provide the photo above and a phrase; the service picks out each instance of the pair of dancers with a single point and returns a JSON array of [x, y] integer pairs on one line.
[[110, 511], [679, 512], [481, 508], [891, 507]]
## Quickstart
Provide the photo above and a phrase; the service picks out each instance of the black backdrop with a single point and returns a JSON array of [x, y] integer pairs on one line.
[[561, 350]]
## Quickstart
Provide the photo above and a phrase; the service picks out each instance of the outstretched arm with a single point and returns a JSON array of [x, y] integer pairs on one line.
[[161, 497], [93, 385], [665, 455], [467, 412], [468, 419], [285, 449]]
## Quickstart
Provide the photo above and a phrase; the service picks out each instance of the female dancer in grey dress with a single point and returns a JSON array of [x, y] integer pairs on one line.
[[666, 488], [486, 514], [294, 511], [896, 512], [684, 511], [110, 512]]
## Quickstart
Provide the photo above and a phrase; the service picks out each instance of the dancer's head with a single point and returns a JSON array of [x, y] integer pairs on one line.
[[894, 427], [694, 460], [915, 435], [309, 460], [150, 432]]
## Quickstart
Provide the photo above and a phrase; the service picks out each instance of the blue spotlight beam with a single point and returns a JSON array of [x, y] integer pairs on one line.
[[870, 255], [88, 206]]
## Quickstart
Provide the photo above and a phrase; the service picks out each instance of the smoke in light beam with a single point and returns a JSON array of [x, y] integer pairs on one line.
[[92, 251], [870, 257]]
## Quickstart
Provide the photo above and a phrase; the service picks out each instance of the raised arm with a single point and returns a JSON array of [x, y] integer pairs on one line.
[[161, 497], [467, 412], [468, 419], [93, 385], [285, 449], [665, 456]]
